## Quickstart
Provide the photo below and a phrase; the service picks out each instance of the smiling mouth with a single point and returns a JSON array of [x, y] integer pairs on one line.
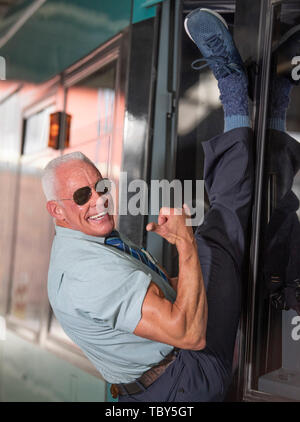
[[98, 217]]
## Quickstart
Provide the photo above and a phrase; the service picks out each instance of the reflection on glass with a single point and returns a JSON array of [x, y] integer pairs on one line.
[[279, 372], [282, 239], [90, 102]]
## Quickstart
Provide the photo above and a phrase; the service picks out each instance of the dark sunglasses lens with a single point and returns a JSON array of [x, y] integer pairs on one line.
[[82, 195], [103, 186]]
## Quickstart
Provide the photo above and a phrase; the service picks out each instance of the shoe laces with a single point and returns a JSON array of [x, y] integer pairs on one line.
[[219, 58]]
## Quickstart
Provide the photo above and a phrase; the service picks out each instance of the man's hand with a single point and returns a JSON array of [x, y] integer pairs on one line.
[[171, 225]]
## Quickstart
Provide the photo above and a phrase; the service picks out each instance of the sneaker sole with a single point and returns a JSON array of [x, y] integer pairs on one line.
[[212, 12]]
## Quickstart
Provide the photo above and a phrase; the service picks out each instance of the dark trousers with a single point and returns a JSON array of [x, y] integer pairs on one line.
[[202, 376]]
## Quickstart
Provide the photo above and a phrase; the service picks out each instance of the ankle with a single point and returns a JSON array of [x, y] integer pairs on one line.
[[234, 98], [233, 122]]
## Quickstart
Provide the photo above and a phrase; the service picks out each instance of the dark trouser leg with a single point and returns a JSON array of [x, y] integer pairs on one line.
[[221, 237], [221, 240]]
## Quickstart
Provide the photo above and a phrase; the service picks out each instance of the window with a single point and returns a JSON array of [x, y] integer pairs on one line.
[[273, 369], [37, 131], [33, 227]]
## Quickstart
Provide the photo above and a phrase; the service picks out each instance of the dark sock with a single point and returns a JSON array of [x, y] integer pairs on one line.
[[279, 102], [234, 97]]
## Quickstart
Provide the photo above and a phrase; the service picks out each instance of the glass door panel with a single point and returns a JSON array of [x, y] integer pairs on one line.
[[277, 346]]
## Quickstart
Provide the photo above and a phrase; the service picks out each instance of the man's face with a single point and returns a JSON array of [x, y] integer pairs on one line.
[[91, 218]]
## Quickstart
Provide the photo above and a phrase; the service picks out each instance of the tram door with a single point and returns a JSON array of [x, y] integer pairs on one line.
[[271, 328], [266, 361]]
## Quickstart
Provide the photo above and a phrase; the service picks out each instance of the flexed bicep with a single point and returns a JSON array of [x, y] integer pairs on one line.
[[163, 321]]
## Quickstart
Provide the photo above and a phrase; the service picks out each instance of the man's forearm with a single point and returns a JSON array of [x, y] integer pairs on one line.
[[181, 323], [191, 295]]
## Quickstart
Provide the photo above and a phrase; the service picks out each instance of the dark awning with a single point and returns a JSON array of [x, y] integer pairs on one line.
[[41, 38]]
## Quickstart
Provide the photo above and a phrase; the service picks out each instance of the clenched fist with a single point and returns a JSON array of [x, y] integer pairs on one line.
[[171, 225]]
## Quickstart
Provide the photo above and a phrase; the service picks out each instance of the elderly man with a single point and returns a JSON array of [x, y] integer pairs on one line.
[[155, 338]]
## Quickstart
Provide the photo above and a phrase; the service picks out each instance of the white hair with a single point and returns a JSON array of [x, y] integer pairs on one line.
[[49, 176]]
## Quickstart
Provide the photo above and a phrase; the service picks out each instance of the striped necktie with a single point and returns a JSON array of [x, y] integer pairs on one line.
[[139, 253]]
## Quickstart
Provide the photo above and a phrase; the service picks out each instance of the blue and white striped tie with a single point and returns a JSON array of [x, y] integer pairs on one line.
[[141, 254]]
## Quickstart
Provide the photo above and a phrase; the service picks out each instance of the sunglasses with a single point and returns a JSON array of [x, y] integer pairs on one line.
[[82, 195]]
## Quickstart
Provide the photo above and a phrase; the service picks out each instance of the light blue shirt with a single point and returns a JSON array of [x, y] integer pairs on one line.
[[96, 292]]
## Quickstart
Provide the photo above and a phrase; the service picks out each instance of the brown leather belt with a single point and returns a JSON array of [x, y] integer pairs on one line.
[[146, 379]]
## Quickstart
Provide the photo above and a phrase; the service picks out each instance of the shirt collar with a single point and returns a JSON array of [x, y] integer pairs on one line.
[[76, 234]]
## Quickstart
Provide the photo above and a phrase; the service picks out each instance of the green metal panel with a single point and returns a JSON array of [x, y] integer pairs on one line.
[[144, 9], [58, 34]]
